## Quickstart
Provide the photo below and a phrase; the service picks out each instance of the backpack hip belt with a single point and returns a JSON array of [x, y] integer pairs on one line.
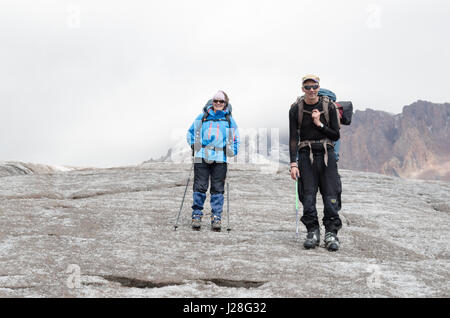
[[216, 149], [324, 142]]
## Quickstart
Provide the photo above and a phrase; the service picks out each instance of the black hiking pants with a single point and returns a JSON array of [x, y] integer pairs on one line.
[[316, 176], [203, 172]]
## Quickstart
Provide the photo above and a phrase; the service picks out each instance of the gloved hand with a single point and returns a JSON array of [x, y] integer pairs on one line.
[[229, 150]]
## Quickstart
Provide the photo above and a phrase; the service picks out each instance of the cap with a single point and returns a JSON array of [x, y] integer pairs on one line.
[[311, 77], [220, 96]]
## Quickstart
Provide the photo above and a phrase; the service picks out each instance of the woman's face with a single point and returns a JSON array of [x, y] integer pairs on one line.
[[218, 104]]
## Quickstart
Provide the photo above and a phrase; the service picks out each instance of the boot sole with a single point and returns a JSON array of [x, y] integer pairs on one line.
[[333, 248], [311, 247], [196, 226]]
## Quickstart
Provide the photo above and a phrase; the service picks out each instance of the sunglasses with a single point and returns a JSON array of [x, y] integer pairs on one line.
[[308, 87], [218, 101]]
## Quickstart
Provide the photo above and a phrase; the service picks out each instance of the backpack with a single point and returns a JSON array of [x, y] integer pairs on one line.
[[197, 143], [325, 108], [345, 108], [344, 111], [328, 93]]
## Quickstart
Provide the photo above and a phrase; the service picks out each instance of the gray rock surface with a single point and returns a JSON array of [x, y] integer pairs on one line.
[[110, 233]]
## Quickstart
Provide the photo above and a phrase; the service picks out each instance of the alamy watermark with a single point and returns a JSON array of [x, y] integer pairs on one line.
[[374, 13], [257, 146], [73, 16], [374, 279], [74, 278]]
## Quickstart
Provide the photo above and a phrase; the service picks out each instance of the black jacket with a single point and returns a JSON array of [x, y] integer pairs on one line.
[[308, 130]]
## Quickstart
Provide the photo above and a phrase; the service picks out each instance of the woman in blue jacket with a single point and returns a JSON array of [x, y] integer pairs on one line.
[[213, 138]]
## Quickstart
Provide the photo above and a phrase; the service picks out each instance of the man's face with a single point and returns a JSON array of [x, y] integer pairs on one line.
[[311, 89]]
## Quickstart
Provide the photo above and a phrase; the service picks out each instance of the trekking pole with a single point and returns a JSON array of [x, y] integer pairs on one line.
[[182, 201], [296, 207], [228, 207]]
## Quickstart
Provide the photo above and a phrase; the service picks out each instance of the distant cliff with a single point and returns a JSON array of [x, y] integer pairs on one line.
[[14, 168], [413, 144]]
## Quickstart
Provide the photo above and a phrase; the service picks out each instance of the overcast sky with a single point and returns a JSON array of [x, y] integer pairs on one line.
[[105, 83]]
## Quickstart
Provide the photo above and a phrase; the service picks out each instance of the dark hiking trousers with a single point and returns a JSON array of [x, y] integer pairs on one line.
[[326, 178], [203, 173]]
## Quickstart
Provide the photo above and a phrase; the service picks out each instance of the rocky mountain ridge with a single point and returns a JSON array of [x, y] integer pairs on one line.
[[413, 144]]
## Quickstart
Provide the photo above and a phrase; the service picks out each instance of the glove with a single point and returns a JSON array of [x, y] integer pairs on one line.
[[229, 151]]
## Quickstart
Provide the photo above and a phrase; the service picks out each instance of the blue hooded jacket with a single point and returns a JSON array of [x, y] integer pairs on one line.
[[215, 134]]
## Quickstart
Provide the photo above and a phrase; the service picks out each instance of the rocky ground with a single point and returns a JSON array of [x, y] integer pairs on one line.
[[110, 233]]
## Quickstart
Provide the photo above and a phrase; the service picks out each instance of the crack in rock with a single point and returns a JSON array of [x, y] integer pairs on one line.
[[441, 207], [138, 283], [100, 193], [36, 196], [81, 195], [235, 283], [16, 287]]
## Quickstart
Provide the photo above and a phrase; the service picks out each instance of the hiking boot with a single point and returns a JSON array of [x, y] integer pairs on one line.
[[331, 242], [312, 239], [196, 224], [216, 224]]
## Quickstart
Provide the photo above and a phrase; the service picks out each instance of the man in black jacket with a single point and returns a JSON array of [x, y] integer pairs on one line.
[[311, 137]]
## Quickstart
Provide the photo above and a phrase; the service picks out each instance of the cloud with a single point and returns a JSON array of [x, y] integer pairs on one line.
[[104, 82]]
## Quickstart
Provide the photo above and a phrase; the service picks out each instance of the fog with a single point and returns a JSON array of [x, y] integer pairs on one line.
[[105, 83]]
